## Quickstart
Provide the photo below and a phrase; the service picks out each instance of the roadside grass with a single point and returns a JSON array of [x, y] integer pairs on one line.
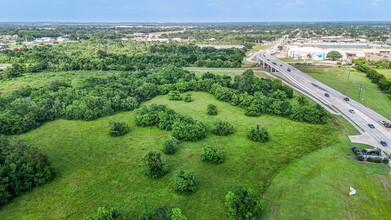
[[317, 187], [385, 72], [93, 169], [288, 60], [339, 79]]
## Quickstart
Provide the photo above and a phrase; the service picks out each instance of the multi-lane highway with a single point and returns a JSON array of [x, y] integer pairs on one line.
[[335, 103]]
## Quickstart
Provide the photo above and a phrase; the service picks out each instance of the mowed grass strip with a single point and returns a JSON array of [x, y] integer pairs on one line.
[[94, 169]]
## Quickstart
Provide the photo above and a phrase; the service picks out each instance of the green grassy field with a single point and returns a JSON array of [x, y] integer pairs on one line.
[[45, 78], [385, 72], [94, 169], [339, 79]]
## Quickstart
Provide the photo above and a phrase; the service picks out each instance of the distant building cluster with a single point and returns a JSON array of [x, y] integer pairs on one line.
[[317, 49]]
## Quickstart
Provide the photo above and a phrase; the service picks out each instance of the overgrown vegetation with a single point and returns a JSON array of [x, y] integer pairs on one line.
[[211, 154], [258, 134], [242, 204], [154, 164], [223, 128], [21, 168], [185, 181]]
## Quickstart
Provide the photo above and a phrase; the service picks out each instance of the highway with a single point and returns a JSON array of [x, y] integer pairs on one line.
[[336, 104]]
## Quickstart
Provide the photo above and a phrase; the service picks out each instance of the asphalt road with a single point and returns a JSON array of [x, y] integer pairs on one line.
[[315, 89]]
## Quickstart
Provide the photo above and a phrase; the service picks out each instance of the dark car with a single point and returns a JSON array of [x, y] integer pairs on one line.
[[383, 143], [289, 69], [280, 65], [327, 95], [371, 125], [351, 110], [346, 99]]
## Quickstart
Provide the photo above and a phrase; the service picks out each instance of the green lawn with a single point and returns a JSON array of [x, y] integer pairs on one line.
[[317, 187], [385, 72], [339, 79], [94, 169]]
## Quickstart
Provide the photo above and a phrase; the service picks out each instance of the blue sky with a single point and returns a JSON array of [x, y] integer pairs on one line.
[[194, 10]]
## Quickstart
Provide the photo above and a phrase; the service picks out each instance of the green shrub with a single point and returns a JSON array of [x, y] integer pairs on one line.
[[360, 157], [174, 95], [154, 165], [189, 130], [145, 116], [163, 212], [106, 214], [377, 160], [188, 97], [177, 214], [211, 109], [170, 146], [370, 159], [258, 134], [185, 181], [223, 128], [211, 154], [242, 204], [386, 160], [117, 128], [167, 118], [21, 168]]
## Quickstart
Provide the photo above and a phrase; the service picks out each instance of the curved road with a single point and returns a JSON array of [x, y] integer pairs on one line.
[[336, 104]]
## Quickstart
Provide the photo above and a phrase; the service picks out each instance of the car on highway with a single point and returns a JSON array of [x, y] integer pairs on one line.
[[268, 60], [383, 143], [346, 99], [351, 110], [280, 65], [371, 125], [382, 122], [289, 69], [274, 63], [327, 95]]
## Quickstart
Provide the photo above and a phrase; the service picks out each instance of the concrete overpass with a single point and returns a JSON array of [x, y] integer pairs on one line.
[[335, 104]]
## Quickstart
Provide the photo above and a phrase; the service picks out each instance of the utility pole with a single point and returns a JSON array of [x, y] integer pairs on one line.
[[359, 91]]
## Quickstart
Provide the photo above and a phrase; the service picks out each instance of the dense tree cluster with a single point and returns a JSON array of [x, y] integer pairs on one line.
[[377, 78], [182, 127], [68, 57], [21, 168], [94, 97]]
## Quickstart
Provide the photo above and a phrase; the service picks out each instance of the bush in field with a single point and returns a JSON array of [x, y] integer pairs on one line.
[[189, 130], [223, 128], [211, 109], [21, 168], [211, 154], [174, 95], [163, 212], [167, 118], [242, 204], [117, 128], [106, 214], [170, 146], [188, 97], [185, 181], [145, 117], [258, 134], [370, 159], [154, 165], [177, 214], [386, 160]]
